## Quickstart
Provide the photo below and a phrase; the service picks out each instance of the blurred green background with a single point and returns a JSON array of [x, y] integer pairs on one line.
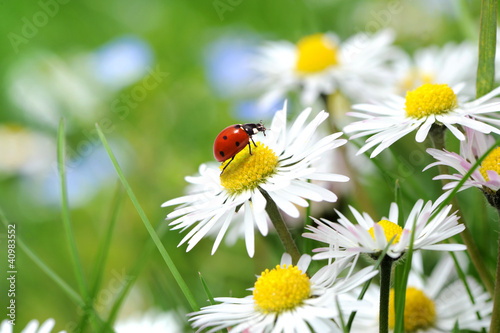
[[158, 77]]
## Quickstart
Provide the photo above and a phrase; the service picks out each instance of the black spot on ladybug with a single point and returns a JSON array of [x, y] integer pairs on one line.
[[237, 126], [237, 143], [221, 153], [225, 137]]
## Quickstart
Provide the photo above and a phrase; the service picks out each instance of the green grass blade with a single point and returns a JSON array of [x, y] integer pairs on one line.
[[487, 47], [206, 289], [102, 254], [70, 292], [65, 287], [166, 257], [77, 266], [132, 276], [103, 251]]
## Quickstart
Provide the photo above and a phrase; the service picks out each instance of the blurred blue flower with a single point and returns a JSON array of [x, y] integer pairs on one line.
[[227, 65], [122, 61]]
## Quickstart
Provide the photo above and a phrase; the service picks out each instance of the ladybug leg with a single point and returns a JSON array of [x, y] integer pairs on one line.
[[250, 146], [227, 165]]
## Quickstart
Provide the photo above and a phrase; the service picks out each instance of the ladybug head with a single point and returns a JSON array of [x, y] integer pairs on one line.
[[252, 129]]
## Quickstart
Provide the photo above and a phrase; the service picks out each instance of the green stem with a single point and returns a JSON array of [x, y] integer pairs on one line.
[[385, 291], [495, 317], [281, 228], [437, 134], [487, 47]]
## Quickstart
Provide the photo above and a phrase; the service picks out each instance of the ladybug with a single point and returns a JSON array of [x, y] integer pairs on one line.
[[233, 139]]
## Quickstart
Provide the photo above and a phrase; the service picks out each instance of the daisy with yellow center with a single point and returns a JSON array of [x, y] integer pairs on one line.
[[320, 64], [437, 64], [346, 239], [486, 177], [434, 302], [281, 167], [285, 299], [426, 106]]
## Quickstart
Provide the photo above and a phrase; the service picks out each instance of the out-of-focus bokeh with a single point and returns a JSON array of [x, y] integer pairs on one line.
[[161, 78]]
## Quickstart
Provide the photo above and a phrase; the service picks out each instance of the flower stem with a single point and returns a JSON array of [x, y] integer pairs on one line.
[[487, 47], [385, 291], [437, 133], [495, 317], [280, 226]]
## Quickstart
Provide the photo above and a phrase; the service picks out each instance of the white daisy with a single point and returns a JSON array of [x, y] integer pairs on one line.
[[433, 303], [486, 177], [285, 299], [319, 64], [346, 239], [280, 166], [423, 107], [151, 322], [32, 327], [436, 64]]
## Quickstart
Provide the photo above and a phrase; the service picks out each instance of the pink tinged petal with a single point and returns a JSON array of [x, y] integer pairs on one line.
[[493, 176], [359, 218], [380, 239], [249, 230]]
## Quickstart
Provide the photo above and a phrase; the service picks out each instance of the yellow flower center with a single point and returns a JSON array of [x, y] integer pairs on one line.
[[419, 313], [247, 171], [491, 162], [315, 53], [390, 230], [430, 99], [280, 289]]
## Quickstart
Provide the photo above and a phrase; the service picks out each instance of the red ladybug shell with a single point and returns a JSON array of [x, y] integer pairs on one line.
[[230, 141]]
